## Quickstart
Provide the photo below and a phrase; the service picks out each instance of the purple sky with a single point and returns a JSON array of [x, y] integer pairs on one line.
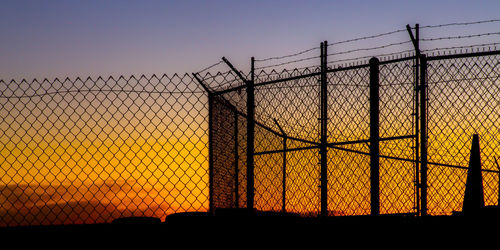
[[54, 38]]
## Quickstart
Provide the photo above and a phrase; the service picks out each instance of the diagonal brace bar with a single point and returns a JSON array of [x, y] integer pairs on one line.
[[235, 71]]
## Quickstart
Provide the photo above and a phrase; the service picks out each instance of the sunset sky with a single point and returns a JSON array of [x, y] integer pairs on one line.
[[89, 38], [103, 148]]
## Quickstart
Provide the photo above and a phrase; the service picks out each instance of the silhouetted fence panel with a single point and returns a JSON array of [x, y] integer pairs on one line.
[[92, 150], [349, 121], [293, 106], [287, 106], [224, 143], [464, 98], [397, 119]]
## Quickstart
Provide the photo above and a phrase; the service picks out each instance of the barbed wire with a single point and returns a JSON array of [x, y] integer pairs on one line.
[[289, 62], [371, 48], [459, 37], [379, 47], [379, 55], [459, 24], [366, 37], [484, 45], [339, 53], [286, 56], [209, 67], [345, 60], [334, 54], [372, 37], [332, 44]]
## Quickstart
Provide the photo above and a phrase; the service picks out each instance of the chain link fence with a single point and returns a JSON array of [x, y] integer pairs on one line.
[[92, 150], [462, 99]]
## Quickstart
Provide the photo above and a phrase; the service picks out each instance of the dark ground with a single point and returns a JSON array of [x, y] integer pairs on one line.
[[238, 229]]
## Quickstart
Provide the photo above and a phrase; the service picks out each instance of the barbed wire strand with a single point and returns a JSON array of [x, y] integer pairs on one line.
[[459, 37], [369, 37], [459, 24], [332, 44], [209, 67], [289, 62], [484, 45], [286, 56], [366, 49], [366, 37], [379, 55]]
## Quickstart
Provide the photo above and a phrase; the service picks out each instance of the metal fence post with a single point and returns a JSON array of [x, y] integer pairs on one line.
[[416, 44], [283, 189], [423, 133], [250, 137], [323, 128], [374, 137], [283, 209]]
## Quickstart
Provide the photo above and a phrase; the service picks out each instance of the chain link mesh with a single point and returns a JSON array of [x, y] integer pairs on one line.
[[287, 106], [397, 177], [348, 120], [92, 150], [463, 100]]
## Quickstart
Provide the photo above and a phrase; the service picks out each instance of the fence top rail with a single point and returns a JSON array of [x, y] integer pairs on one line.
[[463, 55], [329, 70], [332, 70]]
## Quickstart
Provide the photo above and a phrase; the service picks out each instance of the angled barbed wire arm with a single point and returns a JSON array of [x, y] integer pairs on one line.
[[235, 70], [414, 39], [202, 84]]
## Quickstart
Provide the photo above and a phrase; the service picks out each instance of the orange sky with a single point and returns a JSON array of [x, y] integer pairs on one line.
[[92, 157]]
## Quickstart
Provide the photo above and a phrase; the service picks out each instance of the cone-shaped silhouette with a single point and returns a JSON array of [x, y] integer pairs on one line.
[[498, 166], [474, 195]]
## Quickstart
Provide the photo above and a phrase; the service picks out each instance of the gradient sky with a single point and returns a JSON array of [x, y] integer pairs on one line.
[[89, 38]]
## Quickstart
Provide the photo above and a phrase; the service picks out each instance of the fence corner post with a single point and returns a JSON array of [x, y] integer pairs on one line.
[[250, 137], [374, 137], [324, 131], [423, 133]]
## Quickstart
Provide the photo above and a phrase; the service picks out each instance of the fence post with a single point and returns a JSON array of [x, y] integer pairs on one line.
[[250, 137], [324, 134], [374, 137], [416, 44], [423, 133], [283, 191], [236, 161], [283, 209]]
